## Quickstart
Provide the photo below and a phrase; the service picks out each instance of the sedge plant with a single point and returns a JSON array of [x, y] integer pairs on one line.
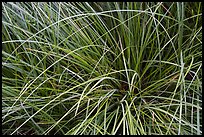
[[101, 68]]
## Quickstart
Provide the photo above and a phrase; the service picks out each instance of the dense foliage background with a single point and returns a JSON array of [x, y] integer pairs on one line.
[[102, 68]]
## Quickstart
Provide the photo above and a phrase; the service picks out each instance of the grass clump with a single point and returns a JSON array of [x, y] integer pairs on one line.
[[102, 68]]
